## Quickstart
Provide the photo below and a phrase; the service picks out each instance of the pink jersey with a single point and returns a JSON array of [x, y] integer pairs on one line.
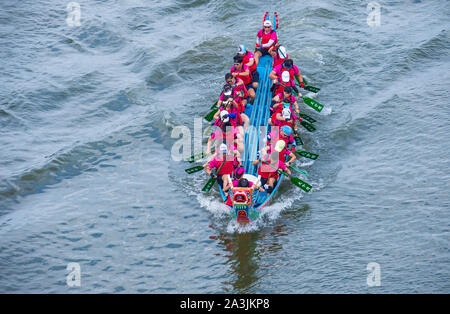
[[227, 168], [247, 58], [266, 37], [292, 71], [246, 78]]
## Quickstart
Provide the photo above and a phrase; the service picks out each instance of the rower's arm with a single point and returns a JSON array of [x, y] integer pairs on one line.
[[292, 158], [208, 146], [273, 75], [297, 109], [300, 77]]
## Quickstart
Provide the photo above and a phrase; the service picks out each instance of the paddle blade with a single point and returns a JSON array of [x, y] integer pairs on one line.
[[194, 169], [298, 141], [215, 105], [210, 115], [306, 154], [312, 89], [209, 185], [308, 126], [313, 104], [194, 158], [301, 184], [307, 118]]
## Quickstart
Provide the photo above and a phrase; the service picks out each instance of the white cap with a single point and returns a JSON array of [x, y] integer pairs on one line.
[[286, 113], [285, 76], [222, 115], [227, 92], [282, 51], [242, 49], [223, 148], [267, 23]]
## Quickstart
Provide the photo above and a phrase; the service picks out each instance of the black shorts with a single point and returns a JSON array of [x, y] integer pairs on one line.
[[249, 86], [264, 181], [255, 76], [264, 51]]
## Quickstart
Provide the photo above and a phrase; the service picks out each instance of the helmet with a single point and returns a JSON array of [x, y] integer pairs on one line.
[[286, 113], [280, 145], [242, 49], [223, 148], [224, 116], [286, 129], [267, 23], [227, 89], [243, 183], [282, 52], [285, 76]]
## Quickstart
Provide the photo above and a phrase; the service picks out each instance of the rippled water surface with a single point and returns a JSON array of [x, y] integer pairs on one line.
[[86, 174]]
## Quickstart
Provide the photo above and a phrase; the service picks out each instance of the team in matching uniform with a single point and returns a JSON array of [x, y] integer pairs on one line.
[[231, 122]]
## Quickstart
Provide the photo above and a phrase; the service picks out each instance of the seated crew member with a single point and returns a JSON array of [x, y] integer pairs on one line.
[[280, 147], [249, 60], [238, 86], [223, 163], [287, 94], [284, 133], [280, 56], [226, 134], [239, 70], [268, 170], [235, 111], [266, 39], [288, 65]]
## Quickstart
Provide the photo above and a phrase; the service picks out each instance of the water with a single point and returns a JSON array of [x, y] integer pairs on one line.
[[86, 173]]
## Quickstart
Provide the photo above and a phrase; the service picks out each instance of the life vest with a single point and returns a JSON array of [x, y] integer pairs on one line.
[[266, 38], [290, 70], [247, 79], [247, 58], [266, 171], [228, 166]]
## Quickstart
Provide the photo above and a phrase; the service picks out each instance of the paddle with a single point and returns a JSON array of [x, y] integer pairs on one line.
[[307, 87], [298, 170], [211, 181], [194, 169], [307, 118], [309, 101], [313, 104], [296, 181], [308, 126], [306, 154], [210, 115]]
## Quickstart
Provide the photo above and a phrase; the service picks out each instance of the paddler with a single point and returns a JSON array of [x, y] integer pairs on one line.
[[287, 94], [280, 56], [280, 148], [241, 182], [223, 164], [249, 60], [226, 134], [238, 87], [235, 111], [240, 70], [269, 174], [284, 133], [289, 66], [266, 40]]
